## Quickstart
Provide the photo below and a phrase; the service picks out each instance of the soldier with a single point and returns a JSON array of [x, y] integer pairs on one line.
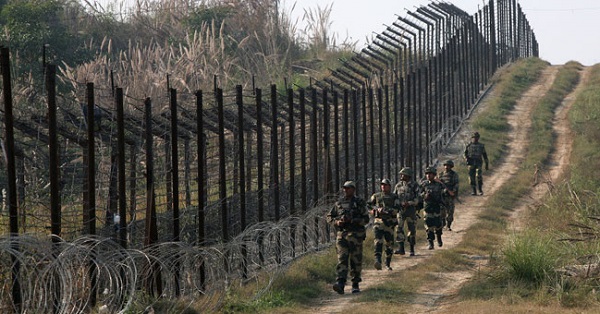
[[385, 206], [349, 216], [475, 155], [450, 179], [432, 190], [408, 193]]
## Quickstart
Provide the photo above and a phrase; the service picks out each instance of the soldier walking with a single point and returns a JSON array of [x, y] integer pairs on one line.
[[450, 179], [408, 193], [432, 190], [384, 207], [475, 154], [349, 217]]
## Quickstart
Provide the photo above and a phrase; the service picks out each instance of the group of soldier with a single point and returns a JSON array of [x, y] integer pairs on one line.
[[392, 211]]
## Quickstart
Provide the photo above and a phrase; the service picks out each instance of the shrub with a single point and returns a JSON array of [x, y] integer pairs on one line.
[[531, 257]]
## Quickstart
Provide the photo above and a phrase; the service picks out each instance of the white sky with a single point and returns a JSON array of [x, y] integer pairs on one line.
[[565, 29]]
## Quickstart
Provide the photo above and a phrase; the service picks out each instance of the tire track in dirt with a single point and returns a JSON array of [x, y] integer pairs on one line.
[[544, 181], [466, 214], [547, 176]]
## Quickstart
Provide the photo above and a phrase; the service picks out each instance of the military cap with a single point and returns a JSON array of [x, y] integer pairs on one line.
[[449, 162], [349, 184], [406, 171], [430, 170], [386, 181]]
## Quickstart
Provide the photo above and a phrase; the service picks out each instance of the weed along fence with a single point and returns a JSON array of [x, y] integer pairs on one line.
[[112, 199]]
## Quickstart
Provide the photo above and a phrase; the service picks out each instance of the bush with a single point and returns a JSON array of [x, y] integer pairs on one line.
[[531, 257]]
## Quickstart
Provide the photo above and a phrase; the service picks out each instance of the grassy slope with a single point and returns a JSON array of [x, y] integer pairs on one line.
[[523, 277]]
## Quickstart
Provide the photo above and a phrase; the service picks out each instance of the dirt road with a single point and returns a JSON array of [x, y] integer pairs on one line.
[[431, 301]]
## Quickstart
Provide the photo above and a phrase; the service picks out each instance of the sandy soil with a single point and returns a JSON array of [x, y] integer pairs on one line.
[[432, 300]]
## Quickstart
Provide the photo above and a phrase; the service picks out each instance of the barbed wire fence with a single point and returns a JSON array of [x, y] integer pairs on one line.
[[115, 199]]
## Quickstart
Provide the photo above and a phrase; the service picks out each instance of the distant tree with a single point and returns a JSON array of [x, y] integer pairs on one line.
[[31, 26], [207, 15]]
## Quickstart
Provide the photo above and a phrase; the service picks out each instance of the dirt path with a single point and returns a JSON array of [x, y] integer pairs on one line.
[[428, 300], [547, 177], [544, 181]]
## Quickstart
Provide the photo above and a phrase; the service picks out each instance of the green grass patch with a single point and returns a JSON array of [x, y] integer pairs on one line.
[[531, 257], [267, 301], [304, 280], [584, 118]]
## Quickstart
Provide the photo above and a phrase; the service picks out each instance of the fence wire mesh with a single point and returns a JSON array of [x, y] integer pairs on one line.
[[205, 190]]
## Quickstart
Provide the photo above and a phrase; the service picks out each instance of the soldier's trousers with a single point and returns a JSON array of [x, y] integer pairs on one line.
[[384, 234], [411, 225], [433, 225], [350, 252], [448, 210], [475, 176]]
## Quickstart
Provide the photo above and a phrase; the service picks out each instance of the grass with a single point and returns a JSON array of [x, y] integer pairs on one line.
[[305, 279], [530, 257]]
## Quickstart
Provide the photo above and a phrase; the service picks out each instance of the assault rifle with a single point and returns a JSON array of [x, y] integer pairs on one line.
[[381, 212], [345, 217]]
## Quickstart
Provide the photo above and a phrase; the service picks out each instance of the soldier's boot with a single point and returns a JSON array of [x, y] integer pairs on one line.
[[400, 249], [480, 188], [412, 249], [378, 262], [430, 238], [474, 190], [378, 250], [388, 262], [439, 239], [355, 288], [449, 224], [339, 287]]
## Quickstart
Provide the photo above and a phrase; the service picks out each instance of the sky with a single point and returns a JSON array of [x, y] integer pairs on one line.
[[566, 30]]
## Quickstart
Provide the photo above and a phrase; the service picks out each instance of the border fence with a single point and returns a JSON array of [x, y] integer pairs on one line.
[[180, 197]]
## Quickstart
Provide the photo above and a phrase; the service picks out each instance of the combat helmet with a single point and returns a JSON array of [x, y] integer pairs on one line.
[[349, 184], [449, 162], [430, 170], [407, 171], [386, 181], [475, 135]]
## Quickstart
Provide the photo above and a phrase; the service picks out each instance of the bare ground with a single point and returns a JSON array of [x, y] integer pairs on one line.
[[435, 299]]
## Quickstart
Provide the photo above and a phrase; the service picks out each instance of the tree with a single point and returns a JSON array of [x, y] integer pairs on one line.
[[29, 27]]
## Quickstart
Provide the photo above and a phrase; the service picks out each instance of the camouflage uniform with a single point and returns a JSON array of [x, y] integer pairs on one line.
[[349, 217], [385, 207], [433, 201], [408, 193], [450, 180], [475, 155]]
